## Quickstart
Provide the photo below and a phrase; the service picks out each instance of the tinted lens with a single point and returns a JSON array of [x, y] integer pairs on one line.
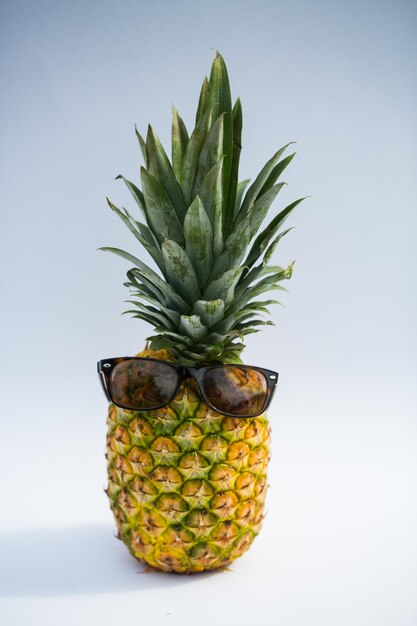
[[240, 391], [143, 384]]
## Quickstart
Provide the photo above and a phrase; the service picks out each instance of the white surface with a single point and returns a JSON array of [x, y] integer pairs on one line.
[[339, 544]]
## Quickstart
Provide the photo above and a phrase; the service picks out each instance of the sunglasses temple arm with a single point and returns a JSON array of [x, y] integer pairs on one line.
[[271, 395], [104, 386]]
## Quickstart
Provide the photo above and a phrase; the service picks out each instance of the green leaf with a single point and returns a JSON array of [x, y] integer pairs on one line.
[[223, 287], [144, 235], [219, 98], [266, 284], [143, 316], [145, 232], [254, 190], [137, 229], [213, 352], [161, 216], [261, 208], [180, 271], [160, 167], [147, 317], [136, 193], [159, 342], [190, 359], [125, 219], [216, 339], [179, 143], [211, 153], [234, 170], [276, 172], [160, 289], [250, 323], [140, 290], [142, 145], [192, 153], [236, 317], [263, 239], [148, 286], [239, 194], [211, 195], [156, 314], [199, 240], [210, 312], [150, 246], [229, 322], [203, 101], [191, 326], [263, 267], [132, 259], [170, 314], [234, 249], [220, 101], [254, 292], [231, 355], [184, 339], [249, 331], [252, 307]]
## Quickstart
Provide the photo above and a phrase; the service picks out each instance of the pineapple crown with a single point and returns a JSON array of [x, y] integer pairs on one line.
[[200, 228]]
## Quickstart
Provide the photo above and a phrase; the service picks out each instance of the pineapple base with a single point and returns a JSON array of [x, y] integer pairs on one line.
[[186, 484]]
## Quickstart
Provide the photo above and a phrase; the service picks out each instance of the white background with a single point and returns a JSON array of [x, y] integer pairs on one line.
[[339, 542]]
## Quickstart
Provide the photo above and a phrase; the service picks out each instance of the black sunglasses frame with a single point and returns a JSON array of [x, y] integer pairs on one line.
[[106, 366]]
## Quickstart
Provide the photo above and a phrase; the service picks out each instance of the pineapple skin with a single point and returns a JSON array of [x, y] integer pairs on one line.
[[186, 484]]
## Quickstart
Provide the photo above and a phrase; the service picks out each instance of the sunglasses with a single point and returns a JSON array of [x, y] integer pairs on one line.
[[142, 384]]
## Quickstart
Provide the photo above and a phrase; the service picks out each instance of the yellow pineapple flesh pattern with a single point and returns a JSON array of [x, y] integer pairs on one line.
[[186, 484]]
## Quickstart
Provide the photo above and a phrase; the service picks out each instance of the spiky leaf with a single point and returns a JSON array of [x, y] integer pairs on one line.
[[180, 272], [220, 101], [266, 235], [211, 153], [239, 194], [179, 143], [203, 100], [234, 168], [211, 195], [125, 219], [142, 145], [172, 315], [263, 267], [234, 248], [199, 224], [210, 312], [269, 283], [142, 234], [223, 288], [131, 258], [199, 240], [262, 206], [136, 193], [159, 289], [276, 172], [192, 153], [254, 190], [161, 215], [191, 326], [160, 167]]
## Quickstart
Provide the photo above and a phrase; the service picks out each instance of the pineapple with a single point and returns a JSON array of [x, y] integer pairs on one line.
[[187, 484]]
